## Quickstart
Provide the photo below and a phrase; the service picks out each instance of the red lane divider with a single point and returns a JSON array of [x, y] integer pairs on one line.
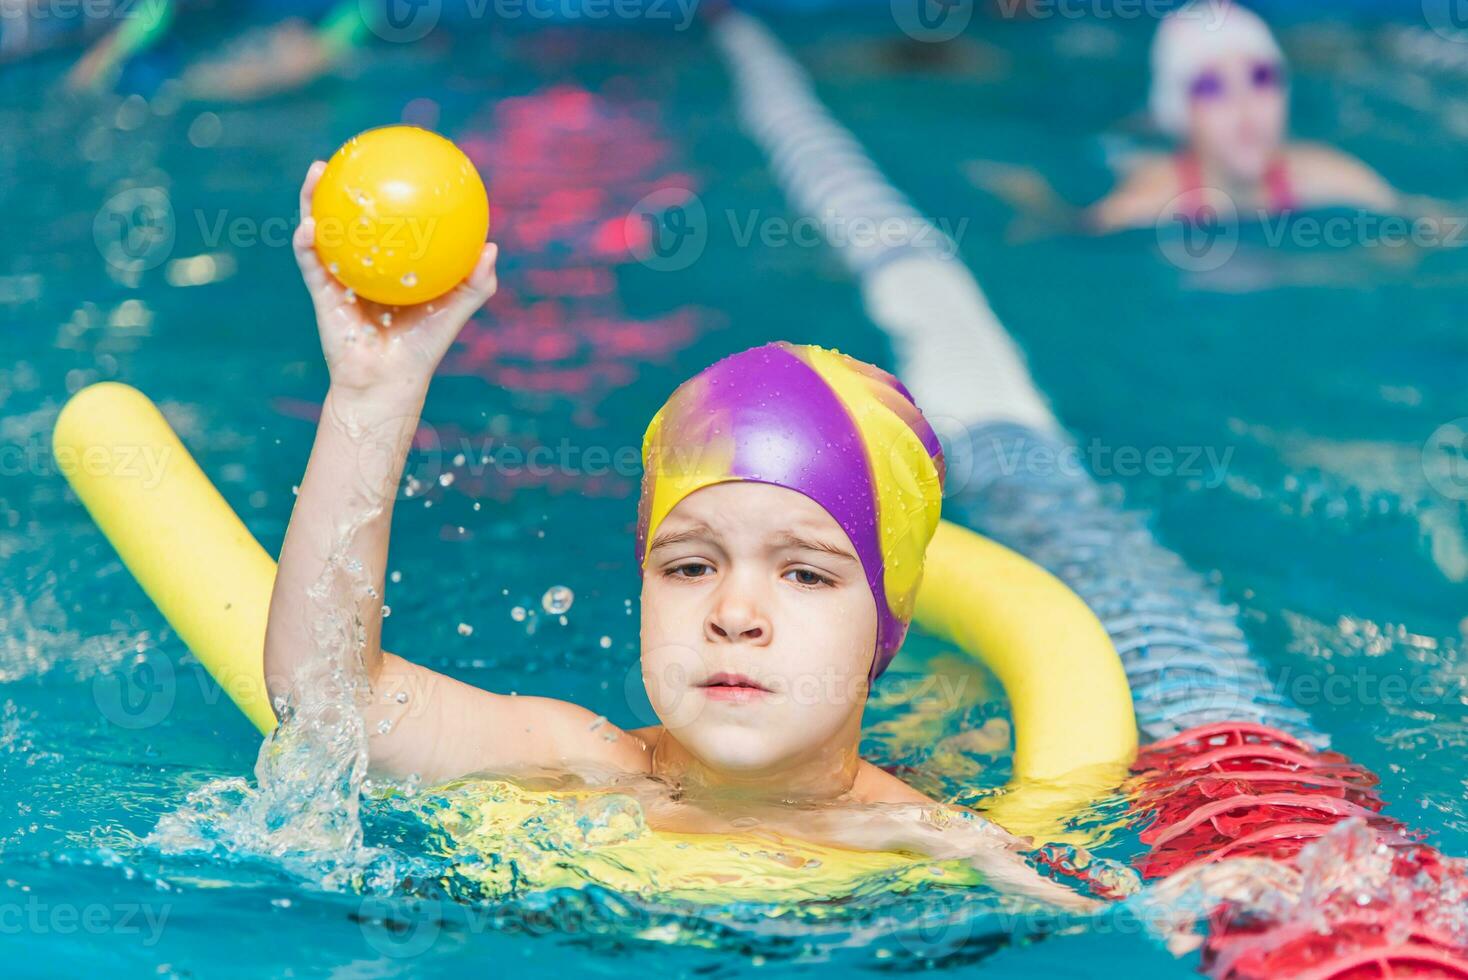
[[1227, 791]]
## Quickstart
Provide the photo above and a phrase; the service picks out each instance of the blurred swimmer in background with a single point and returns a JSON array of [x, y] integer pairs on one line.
[[1220, 90], [307, 44], [287, 47]]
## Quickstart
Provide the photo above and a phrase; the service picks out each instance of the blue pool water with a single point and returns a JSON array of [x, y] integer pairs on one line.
[[1315, 375]]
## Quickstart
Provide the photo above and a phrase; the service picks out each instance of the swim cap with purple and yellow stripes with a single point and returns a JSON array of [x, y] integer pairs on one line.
[[844, 433]]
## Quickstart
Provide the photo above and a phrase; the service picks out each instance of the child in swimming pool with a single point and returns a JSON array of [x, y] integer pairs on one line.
[[772, 593], [1219, 87], [1220, 90]]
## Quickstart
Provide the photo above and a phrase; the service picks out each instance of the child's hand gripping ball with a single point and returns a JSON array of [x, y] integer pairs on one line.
[[401, 215]]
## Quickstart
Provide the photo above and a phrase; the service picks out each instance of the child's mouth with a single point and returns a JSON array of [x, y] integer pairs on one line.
[[733, 687]]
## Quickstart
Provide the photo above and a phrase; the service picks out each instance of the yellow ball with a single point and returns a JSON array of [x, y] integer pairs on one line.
[[401, 215]]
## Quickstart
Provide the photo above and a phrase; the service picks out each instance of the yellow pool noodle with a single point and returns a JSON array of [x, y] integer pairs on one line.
[[199, 564], [1074, 727], [1068, 693], [1075, 732]]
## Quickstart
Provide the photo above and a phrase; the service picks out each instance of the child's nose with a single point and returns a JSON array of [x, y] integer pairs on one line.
[[722, 632], [736, 619]]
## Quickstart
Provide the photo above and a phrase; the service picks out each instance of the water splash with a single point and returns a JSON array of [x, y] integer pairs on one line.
[[33, 635], [15, 739], [1346, 877], [305, 809]]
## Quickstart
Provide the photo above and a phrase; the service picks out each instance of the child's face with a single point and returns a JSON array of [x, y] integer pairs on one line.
[[758, 629]]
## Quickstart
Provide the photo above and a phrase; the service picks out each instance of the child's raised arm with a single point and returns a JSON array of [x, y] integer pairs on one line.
[[380, 368]]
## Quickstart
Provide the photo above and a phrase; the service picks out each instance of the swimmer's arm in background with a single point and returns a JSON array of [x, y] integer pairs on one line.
[[280, 57], [142, 27], [1137, 201], [1325, 177], [1040, 212], [1329, 178], [335, 551]]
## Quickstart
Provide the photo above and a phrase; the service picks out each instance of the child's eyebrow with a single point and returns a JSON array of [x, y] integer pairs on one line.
[[788, 539], [696, 532]]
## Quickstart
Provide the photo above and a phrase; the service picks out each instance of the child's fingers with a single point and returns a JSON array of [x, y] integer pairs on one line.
[[483, 275], [475, 291], [483, 280], [308, 186], [449, 315], [324, 289], [304, 245], [313, 272], [305, 236]]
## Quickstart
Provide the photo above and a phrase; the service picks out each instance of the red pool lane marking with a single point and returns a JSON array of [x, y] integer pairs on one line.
[[565, 168], [1233, 790]]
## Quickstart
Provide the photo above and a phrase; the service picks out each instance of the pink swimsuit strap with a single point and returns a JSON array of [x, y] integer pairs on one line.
[[1279, 190]]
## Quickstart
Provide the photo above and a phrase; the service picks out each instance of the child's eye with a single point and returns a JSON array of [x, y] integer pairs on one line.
[[804, 576], [691, 569]]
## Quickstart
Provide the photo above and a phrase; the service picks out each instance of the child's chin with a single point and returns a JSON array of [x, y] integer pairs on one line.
[[735, 753]]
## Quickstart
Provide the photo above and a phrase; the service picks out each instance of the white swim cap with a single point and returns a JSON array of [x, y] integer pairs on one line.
[[1193, 37]]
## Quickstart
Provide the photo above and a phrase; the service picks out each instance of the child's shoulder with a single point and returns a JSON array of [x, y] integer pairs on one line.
[[876, 785], [649, 734]]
